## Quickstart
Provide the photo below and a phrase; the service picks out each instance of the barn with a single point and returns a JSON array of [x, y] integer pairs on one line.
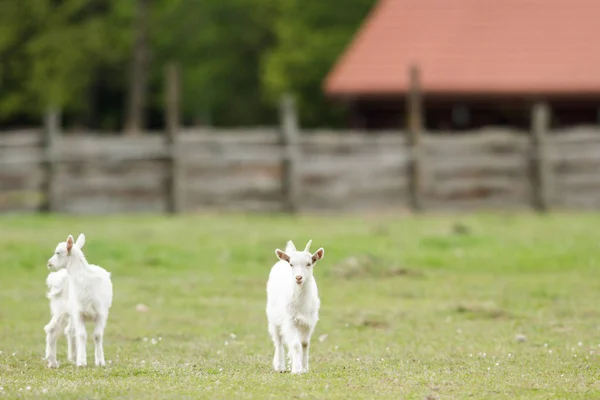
[[478, 63]]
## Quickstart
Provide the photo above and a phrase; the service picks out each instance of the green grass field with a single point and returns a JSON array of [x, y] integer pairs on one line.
[[412, 307]]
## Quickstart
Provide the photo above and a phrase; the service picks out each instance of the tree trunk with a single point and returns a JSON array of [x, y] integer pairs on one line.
[[136, 99]]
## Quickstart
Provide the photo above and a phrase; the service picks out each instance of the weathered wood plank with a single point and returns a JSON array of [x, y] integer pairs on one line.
[[22, 138]]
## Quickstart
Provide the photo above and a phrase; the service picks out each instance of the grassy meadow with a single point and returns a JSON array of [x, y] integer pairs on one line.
[[496, 306]]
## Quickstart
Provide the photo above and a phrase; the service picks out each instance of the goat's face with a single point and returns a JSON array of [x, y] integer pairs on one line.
[[301, 262], [60, 258]]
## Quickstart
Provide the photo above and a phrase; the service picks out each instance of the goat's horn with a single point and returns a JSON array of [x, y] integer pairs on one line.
[[307, 248]]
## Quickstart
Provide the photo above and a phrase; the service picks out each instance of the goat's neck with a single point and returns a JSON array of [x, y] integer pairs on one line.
[[304, 290], [77, 266]]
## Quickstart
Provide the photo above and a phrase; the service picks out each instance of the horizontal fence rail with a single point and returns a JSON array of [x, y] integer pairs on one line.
[[287, 169]]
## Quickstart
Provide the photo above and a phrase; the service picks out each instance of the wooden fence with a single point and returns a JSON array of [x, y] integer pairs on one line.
[[285, 169]]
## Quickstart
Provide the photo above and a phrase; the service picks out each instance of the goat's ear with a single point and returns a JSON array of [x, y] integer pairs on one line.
[[282, 255], [80, 241], [69, 243], [319, 254]]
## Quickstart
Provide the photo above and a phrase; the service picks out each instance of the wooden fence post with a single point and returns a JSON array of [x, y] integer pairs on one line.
[[290, 136], [175, 194], [539, 163], [51, 137], [415, 127]]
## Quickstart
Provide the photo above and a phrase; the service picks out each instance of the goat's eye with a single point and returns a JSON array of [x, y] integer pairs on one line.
[[308, 265], [57, 253], [291, 265]]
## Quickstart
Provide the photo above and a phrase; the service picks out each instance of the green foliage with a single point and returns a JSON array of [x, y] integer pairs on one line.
[[237, 57]]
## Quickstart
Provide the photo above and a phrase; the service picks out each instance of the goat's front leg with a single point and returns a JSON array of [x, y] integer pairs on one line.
[[296, 352], [71, 341], [279, 356], [52, 331], [81, 339], [305, 347], [98, 338]]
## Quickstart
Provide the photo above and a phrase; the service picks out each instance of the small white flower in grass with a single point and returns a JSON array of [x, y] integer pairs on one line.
[[1, 388], [448, 319], [347, 325], [154, 341], [592, 352], [497, 364], [28, 388], [520, 338], [44, 390], [574, 355], [488, 368], [336, 347], [323, 337], [470, 354], [110, 361], [143, 361], [159, 338], [580, 344], [546, 345], [549, 351], [226, 343], [509, 354], [14, 354], [220, 369], [358, 359], [459, 331], [233, 336], [145, 339]]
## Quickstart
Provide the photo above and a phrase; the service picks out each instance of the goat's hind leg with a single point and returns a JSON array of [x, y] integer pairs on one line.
[[71, 341], [98, 340]]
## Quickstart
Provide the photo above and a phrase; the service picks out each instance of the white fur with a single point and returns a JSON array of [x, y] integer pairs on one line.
[[89, 298], [293, 305], [58, 294]]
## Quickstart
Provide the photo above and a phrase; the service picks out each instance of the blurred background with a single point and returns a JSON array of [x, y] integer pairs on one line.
[[287, 105]]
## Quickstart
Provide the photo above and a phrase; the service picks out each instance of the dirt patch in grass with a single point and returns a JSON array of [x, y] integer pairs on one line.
[[368, 265], [486, 310]]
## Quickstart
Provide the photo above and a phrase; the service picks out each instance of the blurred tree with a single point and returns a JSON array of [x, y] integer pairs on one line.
[[49, 55], [138, 77], [311, 35], [237, 57], [219, 45]]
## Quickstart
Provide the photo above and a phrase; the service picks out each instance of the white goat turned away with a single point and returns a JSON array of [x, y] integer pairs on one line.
[[293, 305], [86, 297]]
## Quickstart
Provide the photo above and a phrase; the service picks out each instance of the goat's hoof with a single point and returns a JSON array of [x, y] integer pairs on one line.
[[82, 364], [100, 363], [53, 364]]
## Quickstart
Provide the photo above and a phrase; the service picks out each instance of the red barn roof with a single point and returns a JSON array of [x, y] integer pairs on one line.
[[511, 47]]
